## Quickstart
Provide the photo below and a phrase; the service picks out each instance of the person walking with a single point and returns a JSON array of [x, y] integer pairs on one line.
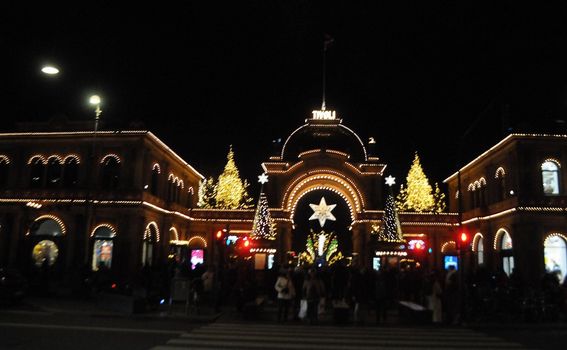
[[286, 292], [313, 290]]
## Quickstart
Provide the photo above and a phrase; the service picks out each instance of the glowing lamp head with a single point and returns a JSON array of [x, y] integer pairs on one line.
[[219, 234], [246, 243], [464, 237], [94, 100], [50, 70]]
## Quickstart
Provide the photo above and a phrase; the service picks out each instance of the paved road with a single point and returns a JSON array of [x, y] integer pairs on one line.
[[265, 336], [23, 330]]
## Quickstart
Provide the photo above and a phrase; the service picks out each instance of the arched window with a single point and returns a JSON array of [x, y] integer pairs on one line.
[[500, 184], [37, 172], [151, 237], [555, 255], [71, 172], [170, 189], [154, 181], [472, 197], [480, 251], [4, 170], [110, 173], [504, 245], [53, 172], [482, 191], [103, 246], [550, 177], [46, 251]]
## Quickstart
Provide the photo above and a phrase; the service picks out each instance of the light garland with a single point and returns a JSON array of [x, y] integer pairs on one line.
[[33, 205], [390, 253], [498, 238], [448, 246], [499, 172], [175, 234], [57, 157], [323, 125], [72, 156], [366, 173], [5, 159], [263, 250], [475, 240], [54, 218], [110, 155], [108, 226], [555, 234], [552, 160], [198, 238], [324, 174], [148, 233], [156, 166], [37, 156]]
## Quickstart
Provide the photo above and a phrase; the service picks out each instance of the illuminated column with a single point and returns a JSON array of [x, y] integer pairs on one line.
[[357, 243]]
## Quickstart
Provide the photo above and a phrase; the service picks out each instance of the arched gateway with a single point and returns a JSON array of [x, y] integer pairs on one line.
[[324, 179]]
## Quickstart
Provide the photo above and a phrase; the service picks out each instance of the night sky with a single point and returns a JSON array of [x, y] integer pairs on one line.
[[204, 75]]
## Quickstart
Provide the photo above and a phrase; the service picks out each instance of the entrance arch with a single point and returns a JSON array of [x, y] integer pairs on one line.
[[324, 180]]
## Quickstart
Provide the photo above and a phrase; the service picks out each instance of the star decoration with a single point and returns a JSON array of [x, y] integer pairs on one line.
[[263, 178], [322, 212], [390, 180]]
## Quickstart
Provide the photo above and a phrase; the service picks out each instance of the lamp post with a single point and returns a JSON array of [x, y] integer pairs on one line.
[[94, 100]]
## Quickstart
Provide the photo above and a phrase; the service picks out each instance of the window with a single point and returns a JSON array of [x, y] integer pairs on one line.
[[45, 252], [154, 182], [555, 255], [71, 172], [479, 250], [506, 251], [36, 174], [53, 172], [4, 170], [103, 247], [550, 177], [151, 236], [500, 177], [110, 173]]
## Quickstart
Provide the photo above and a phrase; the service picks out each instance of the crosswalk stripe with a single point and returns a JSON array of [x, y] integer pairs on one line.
[[264, 336], [317, 336]]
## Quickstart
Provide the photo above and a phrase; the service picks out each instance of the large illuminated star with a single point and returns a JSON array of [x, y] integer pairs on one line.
[[322, 212], [390, 180]]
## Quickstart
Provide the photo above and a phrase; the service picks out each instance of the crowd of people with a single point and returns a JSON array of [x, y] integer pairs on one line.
[[305, 292]]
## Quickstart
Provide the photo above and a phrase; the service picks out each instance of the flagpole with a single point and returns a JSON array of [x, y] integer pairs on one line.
[[324, 72]]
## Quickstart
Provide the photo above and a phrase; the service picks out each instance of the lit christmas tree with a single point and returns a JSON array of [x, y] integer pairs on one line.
[[418, 195], [264, 227], [231, 190], [207, 193], [391, 230]]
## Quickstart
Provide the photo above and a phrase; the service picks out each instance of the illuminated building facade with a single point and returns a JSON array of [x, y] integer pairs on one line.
[[514, 206], [117, 199], [123, 199]]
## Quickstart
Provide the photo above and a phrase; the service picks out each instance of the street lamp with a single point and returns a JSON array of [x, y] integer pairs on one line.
[[50, 70], [96, 101]]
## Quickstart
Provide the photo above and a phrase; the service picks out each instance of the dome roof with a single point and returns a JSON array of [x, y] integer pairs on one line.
[[316, 134]]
